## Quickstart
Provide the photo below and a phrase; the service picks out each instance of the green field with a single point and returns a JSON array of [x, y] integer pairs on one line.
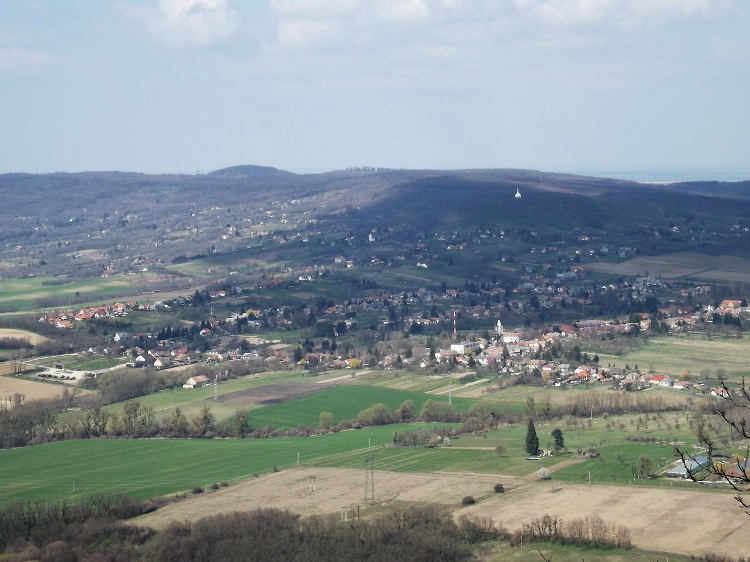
[[503, 552], [344, 402], [418, 381], [703, 358], [27, 294], [190, 401], [151, 467], [475, 453]]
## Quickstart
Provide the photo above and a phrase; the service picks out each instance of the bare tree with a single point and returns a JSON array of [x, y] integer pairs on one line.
[[733, 407]]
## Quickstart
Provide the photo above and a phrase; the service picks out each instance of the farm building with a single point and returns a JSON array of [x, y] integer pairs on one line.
[[200, 380], [689, 467], [738, 469]]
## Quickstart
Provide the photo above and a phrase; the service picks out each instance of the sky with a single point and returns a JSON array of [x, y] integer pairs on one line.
[[191, 86]]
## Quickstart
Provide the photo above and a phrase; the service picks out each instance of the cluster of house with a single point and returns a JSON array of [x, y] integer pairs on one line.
[[161, 357], [682, 316], [62, 319], [68, 319]]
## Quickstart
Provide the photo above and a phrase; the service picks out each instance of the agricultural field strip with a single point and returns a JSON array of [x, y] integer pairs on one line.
[[646, 511], [344, 402], [152, 467], [168, 400], [33, 337], [672, 355], [451, 388], [681, 264], [27, 290], [33, 390]]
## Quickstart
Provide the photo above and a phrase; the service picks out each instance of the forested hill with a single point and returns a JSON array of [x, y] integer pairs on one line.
[[89, 222]]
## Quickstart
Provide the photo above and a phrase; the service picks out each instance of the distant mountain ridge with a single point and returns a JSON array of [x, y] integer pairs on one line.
[[93, 222], [250, 170]]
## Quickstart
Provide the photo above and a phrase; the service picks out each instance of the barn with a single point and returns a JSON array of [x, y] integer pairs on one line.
[[689, 467]]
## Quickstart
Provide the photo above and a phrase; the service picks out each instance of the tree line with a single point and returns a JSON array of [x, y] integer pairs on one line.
[[92, 530], [32, 422]]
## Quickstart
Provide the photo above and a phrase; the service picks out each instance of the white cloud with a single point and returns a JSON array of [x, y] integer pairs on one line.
[[192, 22], [616, 12], [300, 33], [314, 8], [403, 11], [656, 11], [17, 58]]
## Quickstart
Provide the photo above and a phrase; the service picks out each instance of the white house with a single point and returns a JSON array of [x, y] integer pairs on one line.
[[200, 380], [465, 347]]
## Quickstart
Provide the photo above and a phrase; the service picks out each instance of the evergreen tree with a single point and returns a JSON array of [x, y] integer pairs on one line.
[[559, 440], [532, 441]]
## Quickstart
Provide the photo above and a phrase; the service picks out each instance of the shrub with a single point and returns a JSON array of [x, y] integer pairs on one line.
[[468, 500], [499, 488], [214, 486], [197, 490], [589, 531], [417, 534], [475, 529], [224, 484]]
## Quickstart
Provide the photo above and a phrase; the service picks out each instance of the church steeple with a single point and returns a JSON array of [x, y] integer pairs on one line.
[[499, 330]]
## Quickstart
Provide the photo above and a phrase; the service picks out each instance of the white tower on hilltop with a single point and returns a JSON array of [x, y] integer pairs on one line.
[[499, 330], [518, 194]]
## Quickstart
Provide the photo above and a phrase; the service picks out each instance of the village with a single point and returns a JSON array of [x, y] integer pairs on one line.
[[545, 354]]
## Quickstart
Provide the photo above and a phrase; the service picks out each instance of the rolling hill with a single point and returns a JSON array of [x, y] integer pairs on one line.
[[96, 224]]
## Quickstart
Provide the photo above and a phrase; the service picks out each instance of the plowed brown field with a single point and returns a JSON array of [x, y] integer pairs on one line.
[[666, 520]]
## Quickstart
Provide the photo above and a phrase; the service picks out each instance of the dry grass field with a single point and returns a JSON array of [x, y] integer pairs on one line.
[[273, 393], [33, 338], [8, 368], [681, 265], [660, 519], [33, 390]]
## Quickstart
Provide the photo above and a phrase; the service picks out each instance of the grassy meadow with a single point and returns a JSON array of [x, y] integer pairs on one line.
[[27, 294], [151, 467], [191, 400], [700, 357], [504, 552], [476, 453], [344, 402]]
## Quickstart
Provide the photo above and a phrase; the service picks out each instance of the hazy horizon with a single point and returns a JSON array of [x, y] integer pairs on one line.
[[655, 176], [162, 86]]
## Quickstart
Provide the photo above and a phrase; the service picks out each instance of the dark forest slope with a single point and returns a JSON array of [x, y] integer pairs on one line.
[[91, 222]]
